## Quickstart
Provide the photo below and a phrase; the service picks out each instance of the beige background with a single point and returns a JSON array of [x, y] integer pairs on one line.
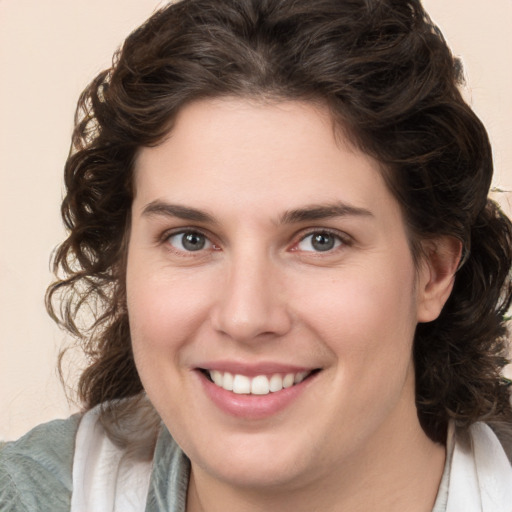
[[49, 50]]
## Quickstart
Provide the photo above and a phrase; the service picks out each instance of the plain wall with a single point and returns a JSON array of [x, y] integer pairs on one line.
[[49, 50]]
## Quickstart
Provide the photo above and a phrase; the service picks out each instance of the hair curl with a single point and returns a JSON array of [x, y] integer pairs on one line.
[[386, 74]]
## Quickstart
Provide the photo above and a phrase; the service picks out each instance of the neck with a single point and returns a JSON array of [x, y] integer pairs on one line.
[[405, 475]]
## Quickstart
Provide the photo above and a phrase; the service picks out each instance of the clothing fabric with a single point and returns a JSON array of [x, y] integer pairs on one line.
[[478, 473], [40, 471], [36, 470], [105, 479], [71, 465]]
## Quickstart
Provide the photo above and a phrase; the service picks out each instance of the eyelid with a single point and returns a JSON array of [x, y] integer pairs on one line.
[[344, 238], [166, 235]]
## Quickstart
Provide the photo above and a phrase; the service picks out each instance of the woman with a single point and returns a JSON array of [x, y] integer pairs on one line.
[[278, 215]]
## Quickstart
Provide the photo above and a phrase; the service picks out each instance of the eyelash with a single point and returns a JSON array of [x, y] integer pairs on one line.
[[191, 232], [340, 239]]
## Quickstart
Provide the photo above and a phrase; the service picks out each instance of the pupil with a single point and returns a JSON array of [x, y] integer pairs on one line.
[[193, 241], [323, 242]]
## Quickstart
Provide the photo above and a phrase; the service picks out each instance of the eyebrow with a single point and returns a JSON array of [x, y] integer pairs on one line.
[[174, 210], [295, 216], [320, 212]]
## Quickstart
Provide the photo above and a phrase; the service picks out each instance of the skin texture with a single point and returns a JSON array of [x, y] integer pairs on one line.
[[260, 293]]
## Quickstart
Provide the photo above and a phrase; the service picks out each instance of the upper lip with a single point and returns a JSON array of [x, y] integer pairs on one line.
[[254, 369]]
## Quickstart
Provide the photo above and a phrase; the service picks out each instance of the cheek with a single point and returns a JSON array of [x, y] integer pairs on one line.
[[163, 320], [367, 316], [163, 308], [161, 316]]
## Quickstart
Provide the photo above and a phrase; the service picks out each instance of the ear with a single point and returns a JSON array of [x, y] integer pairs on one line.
[[438, 265]]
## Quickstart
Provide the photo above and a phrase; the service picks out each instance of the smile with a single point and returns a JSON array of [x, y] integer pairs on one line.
[[258, 385], [254, 392]]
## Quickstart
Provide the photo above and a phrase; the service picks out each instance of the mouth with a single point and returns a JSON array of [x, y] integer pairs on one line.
[[258, 385]]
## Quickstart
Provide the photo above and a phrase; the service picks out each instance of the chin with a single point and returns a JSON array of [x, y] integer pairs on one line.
[[254, 465]]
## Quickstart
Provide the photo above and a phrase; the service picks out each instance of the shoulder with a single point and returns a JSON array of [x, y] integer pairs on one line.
[[169, 480], [124, 454], [36, 470], [503, 432]]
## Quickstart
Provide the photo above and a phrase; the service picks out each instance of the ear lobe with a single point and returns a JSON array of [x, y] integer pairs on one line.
[[439, 264]]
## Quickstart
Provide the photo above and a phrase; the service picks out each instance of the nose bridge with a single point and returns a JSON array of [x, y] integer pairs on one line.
[[251, 302]]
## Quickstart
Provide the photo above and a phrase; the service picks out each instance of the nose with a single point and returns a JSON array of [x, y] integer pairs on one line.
[[251, 305]]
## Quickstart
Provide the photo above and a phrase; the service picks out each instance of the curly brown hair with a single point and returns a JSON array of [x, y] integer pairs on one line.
[[386, 74]]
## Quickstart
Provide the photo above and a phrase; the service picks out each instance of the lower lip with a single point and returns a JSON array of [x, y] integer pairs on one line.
[[253, 406]]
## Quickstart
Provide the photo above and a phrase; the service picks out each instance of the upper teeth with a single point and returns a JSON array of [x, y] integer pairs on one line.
[[259, 385]]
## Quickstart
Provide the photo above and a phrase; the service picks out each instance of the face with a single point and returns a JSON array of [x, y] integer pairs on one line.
[[272, 294]]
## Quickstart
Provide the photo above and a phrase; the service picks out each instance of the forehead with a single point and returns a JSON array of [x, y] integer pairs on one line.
[[257, 155]]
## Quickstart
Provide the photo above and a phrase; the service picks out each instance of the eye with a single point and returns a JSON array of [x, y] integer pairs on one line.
[[319, 241], [189, 241]]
